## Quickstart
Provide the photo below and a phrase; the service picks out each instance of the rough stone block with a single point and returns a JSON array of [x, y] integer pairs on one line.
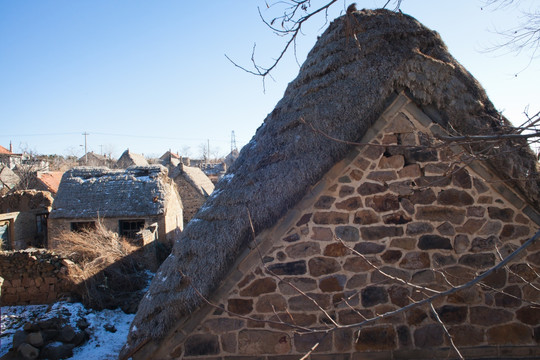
[[240, 306], [441, 213], [467, 335], [415, 260], [487, 316], [366, 217], [428, 242], [303, 249], [376, 338], [478, 261], [429, 336], [306, 303], [271, 303], [417, 228], [324, 202], [323, 266], [265, 285], [331, 217], [382, 203], [380, 232], [366, 248], [509, 334], [350, 204], [454, 197], [257, 342], [373, 295], [322, 234]]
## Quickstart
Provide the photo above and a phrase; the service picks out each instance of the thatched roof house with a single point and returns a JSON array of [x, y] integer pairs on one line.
[[129, 158], [124, 200], [400, 202], [193, 186], [93, 159]]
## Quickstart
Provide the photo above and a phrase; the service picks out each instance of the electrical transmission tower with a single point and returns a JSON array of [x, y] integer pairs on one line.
[[233, 142]]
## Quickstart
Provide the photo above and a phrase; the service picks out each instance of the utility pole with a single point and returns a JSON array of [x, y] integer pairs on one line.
[[85, 152], [101, 149], [208, 151]]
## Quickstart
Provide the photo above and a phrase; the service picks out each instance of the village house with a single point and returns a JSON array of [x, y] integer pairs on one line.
[[124, 201], [93, 159], [129, 158], [48, 181], [8, 179], [170, 160], [193, 186], [8, 158], [23, 219], [349, 229]]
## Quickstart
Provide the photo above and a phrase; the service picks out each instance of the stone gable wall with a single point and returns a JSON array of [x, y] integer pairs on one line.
[[33, 277], [192, 200], [411, 212]]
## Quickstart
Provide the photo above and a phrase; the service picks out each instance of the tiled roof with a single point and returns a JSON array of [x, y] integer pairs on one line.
[[51, 179], [3, 150]]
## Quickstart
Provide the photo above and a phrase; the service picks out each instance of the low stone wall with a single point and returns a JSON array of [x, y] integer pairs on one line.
[[33, 276]]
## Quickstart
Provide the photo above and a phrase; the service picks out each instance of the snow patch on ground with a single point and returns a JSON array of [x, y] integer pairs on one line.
[[102, 344]]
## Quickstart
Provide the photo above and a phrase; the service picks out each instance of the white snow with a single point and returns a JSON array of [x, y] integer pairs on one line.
[[102, 344]]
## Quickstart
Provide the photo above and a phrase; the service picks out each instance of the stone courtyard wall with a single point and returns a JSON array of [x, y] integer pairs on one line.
[[33, 277], [411, 220]]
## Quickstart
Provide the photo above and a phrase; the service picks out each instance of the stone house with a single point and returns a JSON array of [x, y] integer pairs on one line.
[[8, 158], [129, 158], [8, 179], [170, 160], [349, 229], [193, 186], [23, 219], [93, 159], [124, 201]]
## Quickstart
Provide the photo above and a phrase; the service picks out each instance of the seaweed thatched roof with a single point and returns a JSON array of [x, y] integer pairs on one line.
[[194, 176], [90, 192], [342, 88], [129, 158]]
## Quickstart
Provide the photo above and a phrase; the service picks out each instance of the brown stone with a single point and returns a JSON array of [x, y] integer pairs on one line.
[[335, 250], [381, 275], [466, 296], [522, 219], [417, 228], [344, 180], [323, 266], [487, 316], [416, 316], [505, 215], [391, 256], [324, 202], [229, 343], [407, 205], [369, 248], [452, 315], [446, 229], [330, 217], [223, 325], [478, 261], [514, 334], [436, 169], [271, 303], [369, 188], [471, 226], [391, 162], [461, 244], [306, 303], [404, 336], [201, 344], [380, 232], [356, 175], [240, 306], [410, 171], [496, 280], [305, 342], [397, 218], [467, 335], [480, 244], [429, 242], [347, 233], [357, 281], [402, 188], [415, 260], [303, 284], [373, 295], [491, 228], [303, 249], [462, 179], [432, 181], [476, 211], [350, 204], [373, 152], [343, 339], [510, 232], [404, 243], [298, 319], [480, 186], [529, 315], [345, 190], [423, 277], [420, 154], [366, 217], [454, 197], [291, 238], [322, 234], [256, 342], [534, 258], [381, 203], [382, 176], [361, 163], [423, 196], [399, 295], [289, 268], [332, 283], [484, 199], [376, 338], [304, 219], [443, 260], [356, 264], [429, 336], [510, 297], [441, 213]]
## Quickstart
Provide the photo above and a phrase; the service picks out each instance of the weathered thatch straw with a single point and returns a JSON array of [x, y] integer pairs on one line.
[[341, 89], [90, 192]]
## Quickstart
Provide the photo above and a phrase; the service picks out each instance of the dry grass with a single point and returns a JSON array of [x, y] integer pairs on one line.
[[108, 270]]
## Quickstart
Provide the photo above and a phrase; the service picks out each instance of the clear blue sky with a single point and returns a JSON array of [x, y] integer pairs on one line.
[[152, 75]]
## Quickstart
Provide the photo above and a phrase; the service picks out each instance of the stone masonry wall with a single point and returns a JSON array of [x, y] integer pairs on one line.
[[192, 200], [32, 277], [414, 214]]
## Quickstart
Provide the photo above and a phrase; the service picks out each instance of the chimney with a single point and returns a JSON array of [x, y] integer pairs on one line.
[[10, 147]]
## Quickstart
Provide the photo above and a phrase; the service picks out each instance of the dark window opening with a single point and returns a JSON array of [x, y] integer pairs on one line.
[[5, 235], [79, 226], [130, 228]]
